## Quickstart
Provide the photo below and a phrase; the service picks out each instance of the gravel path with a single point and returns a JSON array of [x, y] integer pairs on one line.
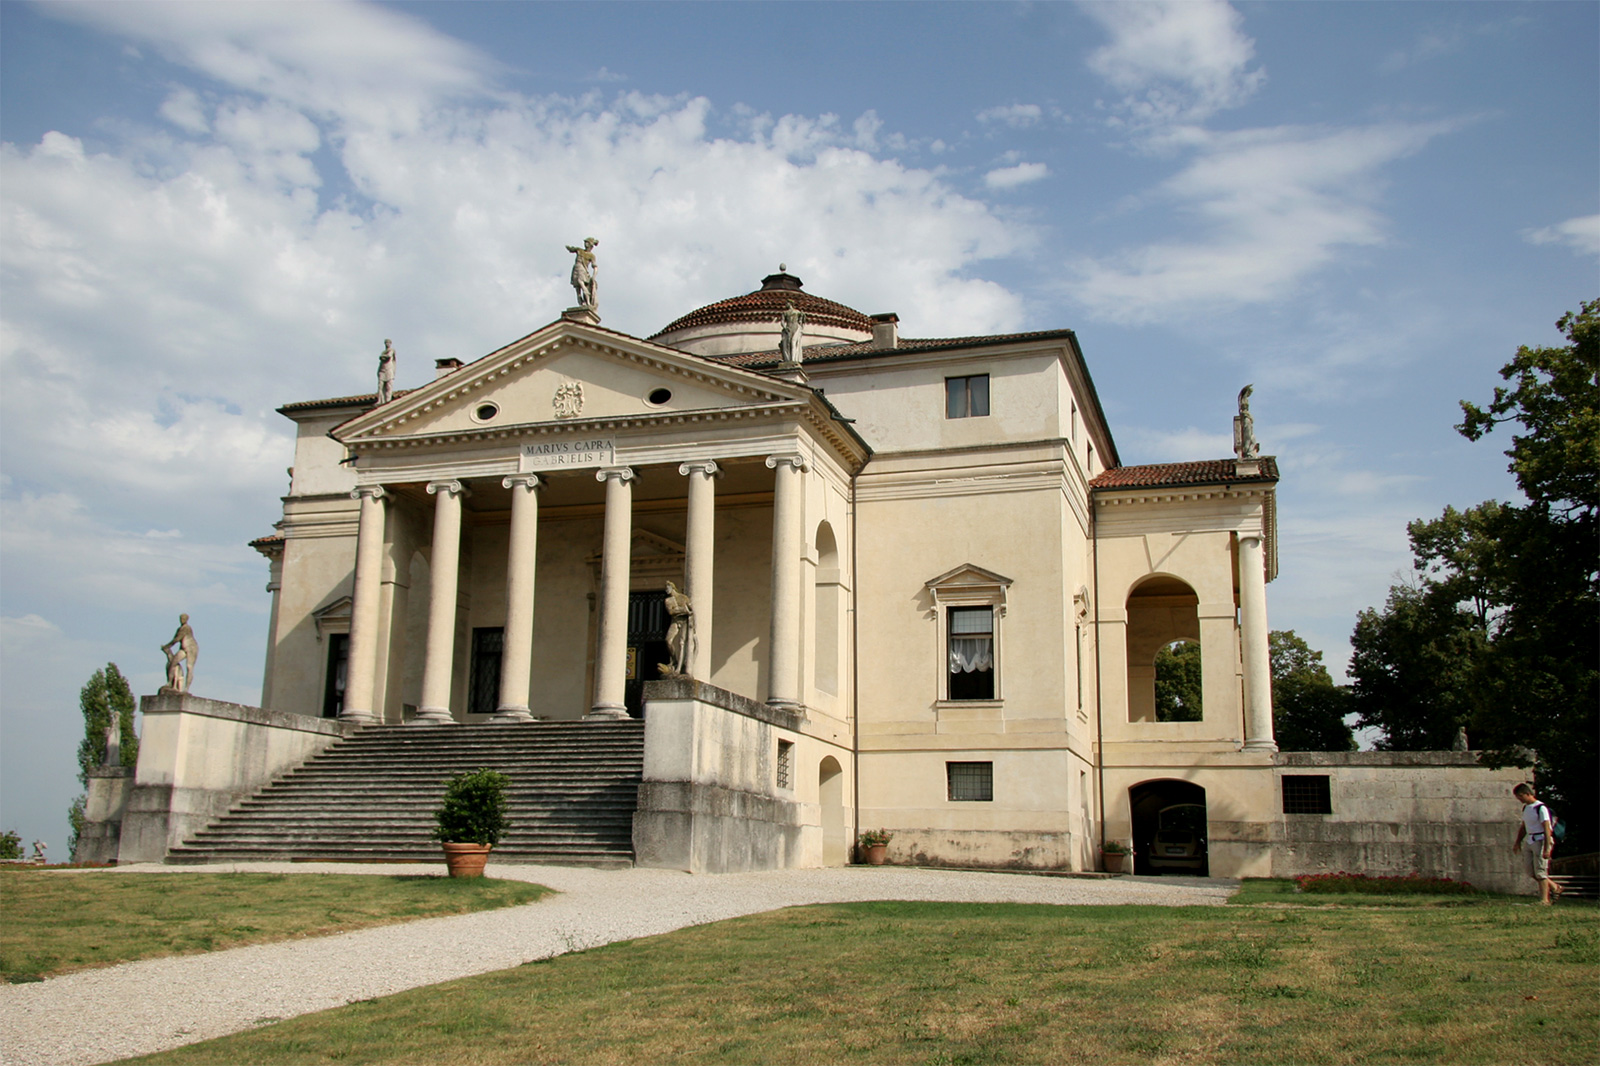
[[140, 1007]]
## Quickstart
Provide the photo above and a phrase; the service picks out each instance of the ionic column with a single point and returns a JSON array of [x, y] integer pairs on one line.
[[362, 669], [445, 569], [611, 654], [516, 660], [783, 670], [1253, 638], [698, 561]]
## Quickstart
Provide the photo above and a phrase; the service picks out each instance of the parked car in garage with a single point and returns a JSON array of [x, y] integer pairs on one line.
[[1180, 842]]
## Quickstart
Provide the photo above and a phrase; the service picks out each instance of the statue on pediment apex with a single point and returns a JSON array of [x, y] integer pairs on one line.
[[1245, 445], [584, 271], [386, 361]]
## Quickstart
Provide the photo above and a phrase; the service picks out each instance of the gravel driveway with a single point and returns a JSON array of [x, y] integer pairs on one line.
[[139, 1007]]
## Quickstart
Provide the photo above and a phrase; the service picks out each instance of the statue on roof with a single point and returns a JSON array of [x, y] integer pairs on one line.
[[1245, 445], [789, 343], [386, 361], [584, 269]]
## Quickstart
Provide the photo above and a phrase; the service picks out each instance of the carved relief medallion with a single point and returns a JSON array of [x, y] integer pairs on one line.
[[569, 400]]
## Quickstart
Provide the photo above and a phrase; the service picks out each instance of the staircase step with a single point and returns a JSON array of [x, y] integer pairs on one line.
[[371, 796]]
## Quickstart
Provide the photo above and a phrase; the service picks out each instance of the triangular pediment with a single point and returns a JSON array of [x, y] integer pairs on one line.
[[567, 372], [967, 574]]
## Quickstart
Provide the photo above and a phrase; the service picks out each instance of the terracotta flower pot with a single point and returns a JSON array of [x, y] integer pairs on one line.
[[1114, 862], [466, 860], [876, 854]]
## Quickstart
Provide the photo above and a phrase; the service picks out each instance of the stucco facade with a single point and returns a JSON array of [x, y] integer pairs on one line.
[[927, 595]]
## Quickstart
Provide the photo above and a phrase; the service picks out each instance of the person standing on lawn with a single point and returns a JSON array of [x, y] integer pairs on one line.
[[1538, 826]]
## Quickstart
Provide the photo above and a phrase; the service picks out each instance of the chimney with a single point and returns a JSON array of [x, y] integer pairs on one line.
[[886, 330], [441, 367]]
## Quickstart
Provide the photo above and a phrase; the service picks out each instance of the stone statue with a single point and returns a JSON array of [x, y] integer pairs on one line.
[[1460, 743], [1245, 445], [789, 344], [180, 664], [114, 741], [584, 269], [386, 373], [680, 634], [39, 847]]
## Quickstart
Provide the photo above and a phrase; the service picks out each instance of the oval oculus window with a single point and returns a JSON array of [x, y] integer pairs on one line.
[[659, 396], [486, 411]]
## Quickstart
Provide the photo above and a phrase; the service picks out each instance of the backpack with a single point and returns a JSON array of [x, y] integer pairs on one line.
[[1558, 828]]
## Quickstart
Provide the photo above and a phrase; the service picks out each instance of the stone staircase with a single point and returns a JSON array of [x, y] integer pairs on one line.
[[371, 796]]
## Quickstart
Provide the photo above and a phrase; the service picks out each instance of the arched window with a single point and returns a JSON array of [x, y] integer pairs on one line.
[[830, 600], [1163, 645]]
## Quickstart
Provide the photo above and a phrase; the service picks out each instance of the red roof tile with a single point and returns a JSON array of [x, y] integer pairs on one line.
[[827, 353], [767, 304], [1169, 475]]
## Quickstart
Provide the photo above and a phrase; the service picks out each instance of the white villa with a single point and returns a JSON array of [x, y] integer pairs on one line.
[[924, 595]]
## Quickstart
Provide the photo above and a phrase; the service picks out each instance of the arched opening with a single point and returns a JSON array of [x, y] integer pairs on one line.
[[1169, 828], [1163, 638], [830, 793], [826, 643]]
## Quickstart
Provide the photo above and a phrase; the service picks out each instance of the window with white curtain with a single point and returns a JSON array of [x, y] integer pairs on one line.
[[971, 653]]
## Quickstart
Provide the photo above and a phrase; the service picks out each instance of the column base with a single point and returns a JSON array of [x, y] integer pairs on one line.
[[358, 717], [607, 710], [788, 707], [1260, 745], [432, 716], [512, 714]]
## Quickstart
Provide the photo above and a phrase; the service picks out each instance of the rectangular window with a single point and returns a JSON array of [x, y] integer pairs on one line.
[[971, 653], [483, 695], [1307, 794], [966, 397], [785, 763], [338, 671], [970, 781]]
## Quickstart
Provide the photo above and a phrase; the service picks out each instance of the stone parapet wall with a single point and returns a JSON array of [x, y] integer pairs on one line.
[[1436, 813], [101, 835], [710, 801], [198, 757]]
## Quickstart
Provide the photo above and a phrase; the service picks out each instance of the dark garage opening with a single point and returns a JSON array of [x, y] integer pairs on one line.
[[1169, 828]]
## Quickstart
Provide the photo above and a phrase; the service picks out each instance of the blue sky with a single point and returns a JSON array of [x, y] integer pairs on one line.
[[213, 209]]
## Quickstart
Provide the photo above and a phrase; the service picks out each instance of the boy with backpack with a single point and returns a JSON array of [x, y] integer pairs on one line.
[[1538, 825]]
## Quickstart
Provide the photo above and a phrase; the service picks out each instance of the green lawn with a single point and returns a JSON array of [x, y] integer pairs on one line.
[[1493, 981], [59, 922]]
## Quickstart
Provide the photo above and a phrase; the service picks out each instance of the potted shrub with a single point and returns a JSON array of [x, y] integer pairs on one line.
[[471, 819], [874, 845], [1116, 853]]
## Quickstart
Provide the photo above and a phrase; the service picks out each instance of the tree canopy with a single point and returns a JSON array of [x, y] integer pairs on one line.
[[1498, 631], [104, 699], [1178, 691], [1308, 709]]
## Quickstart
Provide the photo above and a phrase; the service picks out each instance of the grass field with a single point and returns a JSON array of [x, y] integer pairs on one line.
[[1484, 980], [59, 922]]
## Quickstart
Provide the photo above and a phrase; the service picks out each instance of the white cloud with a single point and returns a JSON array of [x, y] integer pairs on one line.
[[1016, 116], [1581, 235], [1430, 45], [363, 62], [184, 110], [1178, 60], [1262, 210], [1011, 177]]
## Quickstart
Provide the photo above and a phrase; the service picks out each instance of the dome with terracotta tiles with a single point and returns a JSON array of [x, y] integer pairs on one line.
[[753, 322]]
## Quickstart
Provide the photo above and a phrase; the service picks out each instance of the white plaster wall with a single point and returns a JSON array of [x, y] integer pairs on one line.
[[317, 456]]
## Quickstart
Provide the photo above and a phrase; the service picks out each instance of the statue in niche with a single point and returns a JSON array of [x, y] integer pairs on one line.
[[568, 399], [584, 271], [180, 663], [386, 360], [1245, 445], [789, 343], [680, 633]]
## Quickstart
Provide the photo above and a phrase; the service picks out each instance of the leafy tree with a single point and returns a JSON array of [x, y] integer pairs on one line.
[[1308, 709], [105, 698], [1178, 682], [1498, 632], [10, 844]]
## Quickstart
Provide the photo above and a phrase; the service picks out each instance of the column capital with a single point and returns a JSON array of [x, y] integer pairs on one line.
[[375, 492], [525, 481], [453, 487], [708, 467], [792, 459], [621, 473]]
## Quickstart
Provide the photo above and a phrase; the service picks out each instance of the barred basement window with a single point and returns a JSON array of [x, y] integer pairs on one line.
[[970, 781], [1307, 794], [785, 763]]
